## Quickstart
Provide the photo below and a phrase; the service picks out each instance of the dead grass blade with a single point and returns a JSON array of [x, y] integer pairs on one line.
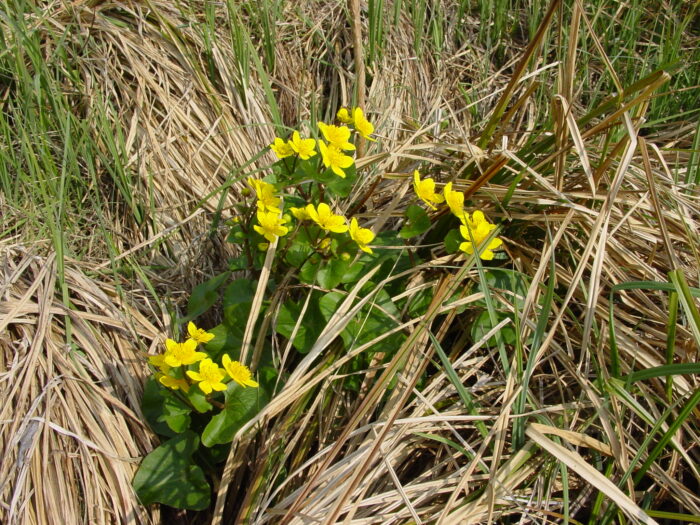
[[576, 463]]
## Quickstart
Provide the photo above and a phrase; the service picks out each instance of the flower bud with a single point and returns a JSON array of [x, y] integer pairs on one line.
[[263, 246], [345, 256]]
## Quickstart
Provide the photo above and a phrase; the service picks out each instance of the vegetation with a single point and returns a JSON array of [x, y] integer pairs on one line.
[[557, 381]]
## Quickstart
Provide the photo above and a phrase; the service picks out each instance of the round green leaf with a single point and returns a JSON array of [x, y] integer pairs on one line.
[[168, 476], [241, 405], [418, 222]]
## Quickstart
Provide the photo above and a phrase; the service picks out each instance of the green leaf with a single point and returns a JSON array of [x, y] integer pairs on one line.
[[176, 413], [338, 186], [452, 241], [328, 304], [418, 222], [237, 300], [307, 274], [227, 339], [356, 269], [332, 272], [382, 300], [168, 476], [673, 516], [178, 423], [307, 169], [300, 172], [368, 324], [198, 400], [293, 201], [298, 254], [152, 407], [204, 296], [309, 329], [510, 280], [241, 405], [238, 263], [215, 455], [387, 238], [420, 302], [236, 235], [482, 325]]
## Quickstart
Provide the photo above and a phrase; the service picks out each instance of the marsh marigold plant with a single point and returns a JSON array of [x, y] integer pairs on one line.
[[288, 227]]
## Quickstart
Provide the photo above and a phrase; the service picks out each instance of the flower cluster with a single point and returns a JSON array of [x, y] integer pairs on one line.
[[357, 119], [332, 150], [336, 140], [270, 224], [475, 229], [174, 365], [330, 222]]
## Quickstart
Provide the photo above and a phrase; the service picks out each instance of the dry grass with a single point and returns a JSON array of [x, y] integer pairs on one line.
[[601, 208], [71, 433], [418, 457]]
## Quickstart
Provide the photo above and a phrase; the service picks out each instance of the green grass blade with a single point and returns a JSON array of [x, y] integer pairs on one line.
[[685, 297], [671, 338], [677, 423], [454, 379], [537, 338], [664, 370]]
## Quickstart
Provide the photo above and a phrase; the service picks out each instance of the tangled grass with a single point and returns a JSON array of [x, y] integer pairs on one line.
[[126, 130]]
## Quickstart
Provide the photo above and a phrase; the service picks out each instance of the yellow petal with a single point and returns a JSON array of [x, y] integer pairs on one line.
[[194, 375]]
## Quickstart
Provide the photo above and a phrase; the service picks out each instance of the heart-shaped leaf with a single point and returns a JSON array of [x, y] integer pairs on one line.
[[241, 405], [418, 222], [167, 475]]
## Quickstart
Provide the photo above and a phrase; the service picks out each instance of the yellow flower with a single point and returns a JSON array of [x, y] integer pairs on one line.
[[324, 217], [337, 136], [281, 148], [198, 334], [265, 192], [425, 189], [363, 126], [325, 244], [174, 383], [209, 376], [300, 214], [238, 372], [271, 225], [455, 200], [305, 148], [480, 229], [179, 354], [362, 236], [159, 362], [334, 159], [344, 116]]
